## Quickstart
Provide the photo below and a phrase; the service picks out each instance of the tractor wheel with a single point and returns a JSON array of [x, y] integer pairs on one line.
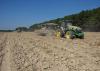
[[69, 35], [82, 37], [58, 34]]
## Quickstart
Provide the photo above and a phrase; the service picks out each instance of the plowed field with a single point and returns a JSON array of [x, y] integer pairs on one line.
[[27, 51]]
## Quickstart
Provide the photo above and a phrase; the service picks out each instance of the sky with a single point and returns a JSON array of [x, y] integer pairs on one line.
[[15, 13]]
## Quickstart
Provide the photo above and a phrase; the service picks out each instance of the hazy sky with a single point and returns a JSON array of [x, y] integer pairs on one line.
[[14, 13]]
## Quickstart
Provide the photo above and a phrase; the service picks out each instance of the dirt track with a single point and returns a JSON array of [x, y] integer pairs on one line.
[[30, 52]]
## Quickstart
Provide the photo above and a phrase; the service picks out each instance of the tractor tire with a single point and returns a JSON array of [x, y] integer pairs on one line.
[[69, 35], [82, 37], [58, 34]]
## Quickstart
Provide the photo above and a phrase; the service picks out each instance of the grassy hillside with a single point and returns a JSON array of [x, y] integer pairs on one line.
[[89, 20]]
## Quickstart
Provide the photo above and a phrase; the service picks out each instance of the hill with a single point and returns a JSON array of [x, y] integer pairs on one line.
[[89, 20]]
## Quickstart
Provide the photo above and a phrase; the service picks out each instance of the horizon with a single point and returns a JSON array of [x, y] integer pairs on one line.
[[17, 13]]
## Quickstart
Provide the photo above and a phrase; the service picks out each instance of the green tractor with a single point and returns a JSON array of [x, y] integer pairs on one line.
[[69, 31]]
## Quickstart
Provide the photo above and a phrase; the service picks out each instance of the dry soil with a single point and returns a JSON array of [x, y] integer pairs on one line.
[[27, 51]]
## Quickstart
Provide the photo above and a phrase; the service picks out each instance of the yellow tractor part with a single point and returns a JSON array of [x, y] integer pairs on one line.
[[67, 35], [58, 34]]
